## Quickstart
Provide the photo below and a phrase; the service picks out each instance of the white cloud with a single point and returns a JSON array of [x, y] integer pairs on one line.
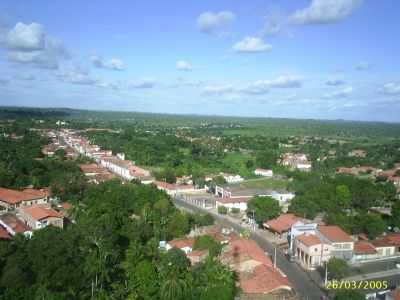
[[113, 64], [340, 93], [210, 22], [183, 65], [218, 89], [26, 37], [258, 87], [335, 82], [141, 83], [77, 76], [29, 44], [286, 81], [325, 11], [391, 88], [363, 66], [251, 45]]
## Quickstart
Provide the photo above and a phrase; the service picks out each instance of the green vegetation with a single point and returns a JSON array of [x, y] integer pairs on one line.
[[206, 242], [222, 210], [109, 254], [348, 295], [337, 268], [264, 209]]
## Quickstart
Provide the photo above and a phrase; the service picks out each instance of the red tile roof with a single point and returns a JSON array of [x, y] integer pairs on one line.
[[14, 197], [334, 234], [265, 280], [390, 240], [39, 212], [256, 272], [282, 223], [91, 168], [364, 247], [43, 193], [309, 239], [182, 243], [246, 247]]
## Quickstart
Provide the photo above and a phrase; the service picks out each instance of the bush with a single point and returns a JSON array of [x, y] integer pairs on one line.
[[337, 268], [235, 210], [222, 210]]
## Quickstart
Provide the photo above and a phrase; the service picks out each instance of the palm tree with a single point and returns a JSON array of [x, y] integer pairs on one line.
[[174, 288]]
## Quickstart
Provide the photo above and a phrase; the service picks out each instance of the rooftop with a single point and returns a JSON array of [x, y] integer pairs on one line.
[[182, 243], [282, 223], [309, 239], [364, 247], [334, 234], [13, 197], [40, 212], [14, 223]]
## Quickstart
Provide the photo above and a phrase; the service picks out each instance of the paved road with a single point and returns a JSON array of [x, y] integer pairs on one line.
[[305, 287]]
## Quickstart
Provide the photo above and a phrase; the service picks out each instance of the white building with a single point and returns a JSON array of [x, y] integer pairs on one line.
[[237, 202], [229, 178], [264, 172]]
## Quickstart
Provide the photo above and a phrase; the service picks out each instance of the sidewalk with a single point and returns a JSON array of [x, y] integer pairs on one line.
[[373, 275]]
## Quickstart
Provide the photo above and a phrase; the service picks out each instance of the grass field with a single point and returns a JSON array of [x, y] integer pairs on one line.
[[265, 183]]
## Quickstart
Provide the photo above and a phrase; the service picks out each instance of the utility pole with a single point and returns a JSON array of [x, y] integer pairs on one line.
[[326, 273], [254, 221]]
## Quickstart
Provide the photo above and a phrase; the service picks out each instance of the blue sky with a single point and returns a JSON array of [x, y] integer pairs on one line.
[[325, 59]]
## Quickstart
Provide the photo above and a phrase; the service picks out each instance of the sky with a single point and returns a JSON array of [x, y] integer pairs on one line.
[[320, 59]]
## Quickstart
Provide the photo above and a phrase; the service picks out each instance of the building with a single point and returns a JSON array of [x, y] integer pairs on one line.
[[230, 178], [237, 202], [12, 199], [13, 225], [358, 153], [185, 244], [40, 216], [236, 195], [311, 251], [364, 251], [175, 189], [341, 242], [282, 224], [263, 172], [297, 161], [197, 256], [258, 276]]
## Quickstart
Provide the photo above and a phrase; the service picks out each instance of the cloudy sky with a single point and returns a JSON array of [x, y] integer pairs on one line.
[[306, 58]]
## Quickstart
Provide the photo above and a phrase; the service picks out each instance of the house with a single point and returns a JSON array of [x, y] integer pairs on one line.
[[174, 189], [299, 228], [237, 202], [13, 225], [281, 224], [257, 274], [117, 166], [342, 243], [358, 153], [297, 161], [230, 178], [364, 251], [311, 251], [197, 256], [40, 216], [12, 199], [243, 194], [185, 244], [387, 245], [263, 172]]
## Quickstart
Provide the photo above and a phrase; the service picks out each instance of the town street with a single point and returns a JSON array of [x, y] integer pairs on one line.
[[306, 288]]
